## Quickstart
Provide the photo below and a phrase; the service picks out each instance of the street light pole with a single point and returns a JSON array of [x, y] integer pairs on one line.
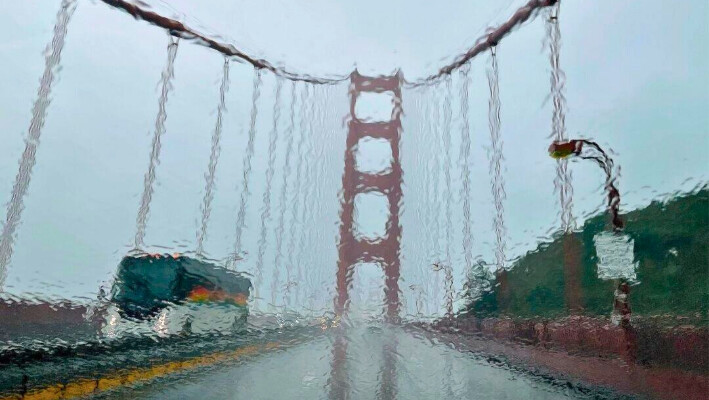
[[616, 256], [590, 150]]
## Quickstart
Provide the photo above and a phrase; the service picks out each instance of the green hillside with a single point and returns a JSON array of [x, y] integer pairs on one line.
[[671, 248]]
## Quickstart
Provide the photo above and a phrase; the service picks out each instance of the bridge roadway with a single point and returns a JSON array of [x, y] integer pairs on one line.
[[290, 363], [425, 368]]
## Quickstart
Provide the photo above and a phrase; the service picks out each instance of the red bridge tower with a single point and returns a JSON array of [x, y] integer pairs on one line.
[[383, 251]]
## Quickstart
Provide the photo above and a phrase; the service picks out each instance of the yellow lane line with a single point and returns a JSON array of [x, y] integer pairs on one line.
[[84, 387]]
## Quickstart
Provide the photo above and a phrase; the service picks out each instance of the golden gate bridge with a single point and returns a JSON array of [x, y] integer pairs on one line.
[[301, 176]]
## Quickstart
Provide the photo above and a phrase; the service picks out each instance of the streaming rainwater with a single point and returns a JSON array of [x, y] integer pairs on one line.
[[308, 229]]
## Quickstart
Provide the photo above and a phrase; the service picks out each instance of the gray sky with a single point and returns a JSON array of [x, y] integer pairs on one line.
[[637, 82]]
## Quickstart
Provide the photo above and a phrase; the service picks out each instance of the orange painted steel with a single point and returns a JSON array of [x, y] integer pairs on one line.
[[383, 251]]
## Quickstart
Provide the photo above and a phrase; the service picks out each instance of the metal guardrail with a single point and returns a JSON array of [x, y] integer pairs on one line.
[[77, 371]]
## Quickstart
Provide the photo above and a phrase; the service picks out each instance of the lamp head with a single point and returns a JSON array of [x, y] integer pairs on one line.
[[564, 149]]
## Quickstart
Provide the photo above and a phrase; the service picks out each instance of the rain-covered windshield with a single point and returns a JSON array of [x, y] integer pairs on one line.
[[406, 199]]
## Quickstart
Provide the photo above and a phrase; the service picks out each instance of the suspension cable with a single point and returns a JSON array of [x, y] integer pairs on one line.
[[489, 41], [210, 177], [180, 29], [149, 180], [39, 114], [562, 181]]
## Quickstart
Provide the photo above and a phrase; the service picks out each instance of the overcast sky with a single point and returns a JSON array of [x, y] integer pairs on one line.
[[637, 82]]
